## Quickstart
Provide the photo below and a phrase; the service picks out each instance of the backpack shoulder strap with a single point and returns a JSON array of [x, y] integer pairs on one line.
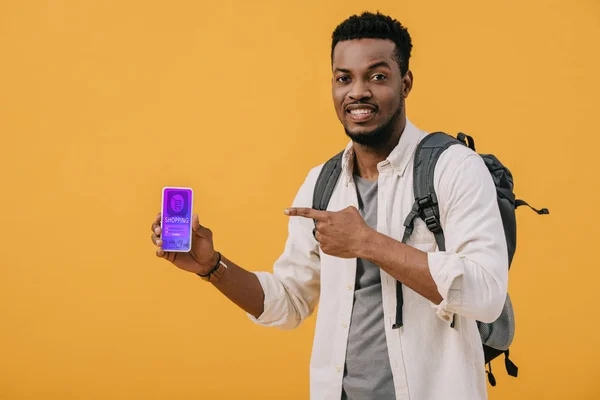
[[426, 204], [326, 182]]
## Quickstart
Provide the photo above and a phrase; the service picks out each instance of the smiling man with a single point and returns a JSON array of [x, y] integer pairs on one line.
[[351, 262]]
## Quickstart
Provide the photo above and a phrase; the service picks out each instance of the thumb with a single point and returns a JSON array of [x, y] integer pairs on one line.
[[198, 229]]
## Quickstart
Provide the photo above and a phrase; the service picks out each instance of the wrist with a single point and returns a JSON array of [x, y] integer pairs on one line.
[[216, 271], [205, 268], [213, 261], [366, 243]]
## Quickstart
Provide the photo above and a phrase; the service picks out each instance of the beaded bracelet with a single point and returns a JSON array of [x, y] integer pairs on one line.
[[207, 276]]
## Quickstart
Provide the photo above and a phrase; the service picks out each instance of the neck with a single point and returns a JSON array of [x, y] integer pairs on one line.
[[366, 158]]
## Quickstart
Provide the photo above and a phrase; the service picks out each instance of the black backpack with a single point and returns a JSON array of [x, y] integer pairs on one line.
[[496, 336]]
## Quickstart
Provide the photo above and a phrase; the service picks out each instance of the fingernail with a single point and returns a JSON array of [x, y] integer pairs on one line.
[[287, 211]]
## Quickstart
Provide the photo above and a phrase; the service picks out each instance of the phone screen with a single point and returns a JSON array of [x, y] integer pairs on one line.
[[176, 220]]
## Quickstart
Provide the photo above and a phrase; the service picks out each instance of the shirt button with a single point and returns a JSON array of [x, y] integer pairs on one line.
[[349, 287], [344, 326], [338, 368]]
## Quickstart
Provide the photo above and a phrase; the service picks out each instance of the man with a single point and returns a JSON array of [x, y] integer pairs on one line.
[[350, 263]]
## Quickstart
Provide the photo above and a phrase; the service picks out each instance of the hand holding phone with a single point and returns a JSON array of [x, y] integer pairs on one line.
[[178, 234]]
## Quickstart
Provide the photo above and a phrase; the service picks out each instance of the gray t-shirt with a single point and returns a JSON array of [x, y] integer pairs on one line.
[[367, 373]]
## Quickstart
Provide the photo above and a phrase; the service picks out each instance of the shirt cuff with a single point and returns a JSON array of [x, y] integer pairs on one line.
[[445, 271], [272, 294], [442, 312]]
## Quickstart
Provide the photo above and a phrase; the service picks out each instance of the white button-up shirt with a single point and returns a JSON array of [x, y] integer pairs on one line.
[[429, 359]]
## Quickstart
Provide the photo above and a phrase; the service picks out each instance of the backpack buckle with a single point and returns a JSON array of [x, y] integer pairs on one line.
[[426, 202], [432, 224], [426, 206]]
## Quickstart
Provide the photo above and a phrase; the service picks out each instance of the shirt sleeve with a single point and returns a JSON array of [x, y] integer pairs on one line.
[[472, 274], [292, 289]]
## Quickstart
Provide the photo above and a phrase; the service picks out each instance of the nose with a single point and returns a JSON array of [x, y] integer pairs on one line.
[[359, 91]]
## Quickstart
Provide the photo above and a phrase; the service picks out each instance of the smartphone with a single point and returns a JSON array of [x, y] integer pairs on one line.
[[176, 219]]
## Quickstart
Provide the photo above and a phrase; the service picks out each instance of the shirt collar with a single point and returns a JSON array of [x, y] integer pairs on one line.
[[397, 159]]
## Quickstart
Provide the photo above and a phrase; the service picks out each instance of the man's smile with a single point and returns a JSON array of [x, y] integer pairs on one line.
[[360, 112]]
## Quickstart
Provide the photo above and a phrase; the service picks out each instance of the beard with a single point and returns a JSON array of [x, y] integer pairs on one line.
[[380, 134]]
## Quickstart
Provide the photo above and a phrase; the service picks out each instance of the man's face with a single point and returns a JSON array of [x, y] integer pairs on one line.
[[368, 89]]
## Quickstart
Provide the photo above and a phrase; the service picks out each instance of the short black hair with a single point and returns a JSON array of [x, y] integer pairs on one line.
[[375, 26]]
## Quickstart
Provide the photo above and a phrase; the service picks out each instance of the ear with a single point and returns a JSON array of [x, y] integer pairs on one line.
[[407, 83]]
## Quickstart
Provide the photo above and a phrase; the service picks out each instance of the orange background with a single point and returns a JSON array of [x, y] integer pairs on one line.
[[104, 103]]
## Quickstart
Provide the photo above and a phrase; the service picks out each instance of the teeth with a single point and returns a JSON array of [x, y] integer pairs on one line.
[[361, 111]]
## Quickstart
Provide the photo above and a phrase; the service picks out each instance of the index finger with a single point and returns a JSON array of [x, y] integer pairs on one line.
[[306, 213]]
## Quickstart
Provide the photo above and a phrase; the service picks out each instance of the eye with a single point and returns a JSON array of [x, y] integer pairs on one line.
[[380, 76], [341, 79]]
